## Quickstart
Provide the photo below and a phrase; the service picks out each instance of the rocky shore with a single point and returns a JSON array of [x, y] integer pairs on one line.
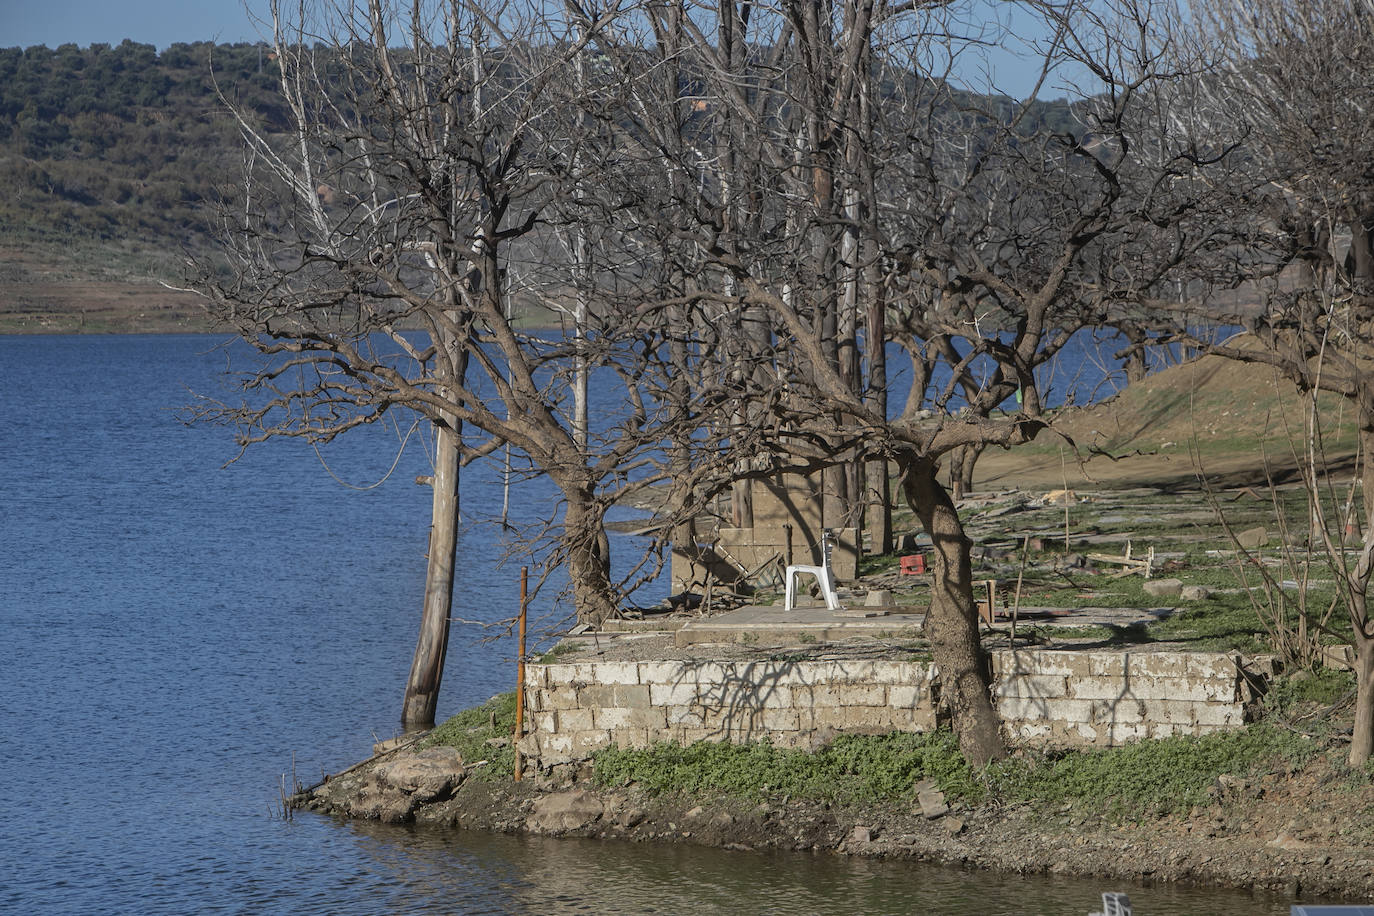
[[1262, 834]]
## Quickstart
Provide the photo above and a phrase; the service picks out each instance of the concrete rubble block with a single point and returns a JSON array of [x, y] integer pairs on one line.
[[1195, 593], [1127, 710], [621, 717], [1156, 688], [1018, 708], [1107, 664], [616, 673], [878, 597], [563, 811], [1180, 664], [584, 744], [556, 748], [1163, 588], [1122, 733], [1169, 730], [859, 720], [747, 696], [1218, 666], [1085, 732], [782, 720], [907, 696], [636, 738], [561, 697], [1253, 538], [629, 696], [888, 672], [674, 694], [1009, 663], [850, 671], [671, 673], [1032, 685], [573, 673], [1342, 657], [686, 734], [771, 697], [717, 672], [1211, 715], [730, 717], [1029, 731], [575, 720], [690, 716], [531, 745], [848, 695], [930, 799]]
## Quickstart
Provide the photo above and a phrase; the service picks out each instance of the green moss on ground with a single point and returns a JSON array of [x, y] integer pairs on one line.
[[1145, 778], [471, 730]]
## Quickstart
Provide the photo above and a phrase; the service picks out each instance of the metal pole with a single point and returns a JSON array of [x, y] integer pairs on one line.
[[520, 672]]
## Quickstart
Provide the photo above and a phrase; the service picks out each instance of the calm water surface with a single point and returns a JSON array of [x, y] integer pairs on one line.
[[178, 635]]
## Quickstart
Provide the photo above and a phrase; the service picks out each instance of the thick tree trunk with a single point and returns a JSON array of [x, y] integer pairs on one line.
[[1362, 738], [878, 503], [589, 567], [964, 485], [956, 472], [427, 667], [952, 624]]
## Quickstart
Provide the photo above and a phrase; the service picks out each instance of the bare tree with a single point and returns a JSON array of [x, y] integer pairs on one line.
[[823, 179], [383, 235], [1277, 132]]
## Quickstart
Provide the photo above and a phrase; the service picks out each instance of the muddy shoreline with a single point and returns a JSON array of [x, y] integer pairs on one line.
[[1261, 835]]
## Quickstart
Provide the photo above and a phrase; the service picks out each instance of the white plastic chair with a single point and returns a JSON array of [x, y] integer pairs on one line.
[[823, 575]]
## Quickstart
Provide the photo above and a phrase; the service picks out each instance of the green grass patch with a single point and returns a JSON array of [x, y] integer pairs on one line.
[[1151, 777], [469, 730], [559, 652], [1301, 691], [853, 770]]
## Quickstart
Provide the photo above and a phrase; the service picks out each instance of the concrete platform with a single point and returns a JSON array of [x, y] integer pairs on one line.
[[774, 626]]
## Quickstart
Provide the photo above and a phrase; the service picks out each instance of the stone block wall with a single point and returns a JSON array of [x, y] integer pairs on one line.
[[1044, 696]]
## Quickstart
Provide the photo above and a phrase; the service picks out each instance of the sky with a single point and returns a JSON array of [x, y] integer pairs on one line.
[[156, 22], [165, 22]]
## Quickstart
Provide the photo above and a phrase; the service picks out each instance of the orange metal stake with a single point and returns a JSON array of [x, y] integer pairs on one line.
[[520, 672]]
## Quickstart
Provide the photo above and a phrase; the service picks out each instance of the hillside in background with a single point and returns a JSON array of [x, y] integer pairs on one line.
[[109, 156], [110, 160]]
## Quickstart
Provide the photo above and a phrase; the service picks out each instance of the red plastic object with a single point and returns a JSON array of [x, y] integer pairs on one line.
[[914, 565]]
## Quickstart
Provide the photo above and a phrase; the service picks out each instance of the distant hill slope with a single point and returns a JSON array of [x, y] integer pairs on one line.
[[1216, 416], [121, 142], [108, 157]]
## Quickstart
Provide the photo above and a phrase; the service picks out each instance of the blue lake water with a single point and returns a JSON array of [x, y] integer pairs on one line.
[[177, 636]]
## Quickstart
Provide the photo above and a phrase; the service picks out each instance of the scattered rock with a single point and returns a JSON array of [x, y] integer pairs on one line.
[[1195, 593], [563, 811], [861, 835], [426, 775], [1253, 538], [953, 826], [1163, 588], [1286, 840], [931, 799]]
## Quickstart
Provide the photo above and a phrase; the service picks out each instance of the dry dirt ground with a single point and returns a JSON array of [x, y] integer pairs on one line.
[[41, 295], [1233, 423]]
